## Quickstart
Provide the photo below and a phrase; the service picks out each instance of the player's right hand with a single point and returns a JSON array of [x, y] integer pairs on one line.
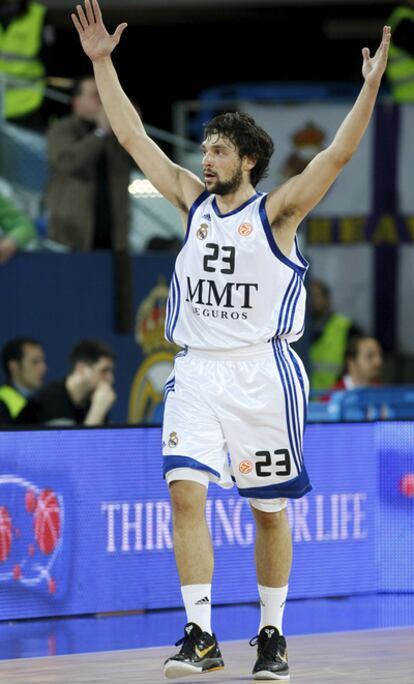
[[95, 39]]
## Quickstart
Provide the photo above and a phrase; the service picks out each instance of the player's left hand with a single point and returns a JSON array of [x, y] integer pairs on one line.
[[374, 67]]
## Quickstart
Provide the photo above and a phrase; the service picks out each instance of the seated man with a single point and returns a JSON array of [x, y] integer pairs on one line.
[[363, 363], [85, 396], [24, 369]]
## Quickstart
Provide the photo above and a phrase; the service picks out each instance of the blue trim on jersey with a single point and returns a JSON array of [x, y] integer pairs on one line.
[[185, 462], [235, 211], [300, 255], [281, 312], [291, 304], [294, 400], [177, 308], [172, 297], [300, 270], [292, 315], [292, 489], [168, 313], [200, 199], [288, 405]]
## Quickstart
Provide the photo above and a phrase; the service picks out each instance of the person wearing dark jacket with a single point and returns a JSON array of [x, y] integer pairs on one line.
[[87, 195]]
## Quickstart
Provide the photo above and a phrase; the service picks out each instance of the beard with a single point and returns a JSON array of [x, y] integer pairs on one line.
[[229, 186]]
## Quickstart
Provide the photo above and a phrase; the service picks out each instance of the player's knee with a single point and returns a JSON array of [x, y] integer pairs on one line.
[[187, 498], [269, 520]]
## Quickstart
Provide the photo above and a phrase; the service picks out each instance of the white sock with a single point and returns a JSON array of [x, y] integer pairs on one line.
[[272, 605], [197, 604]]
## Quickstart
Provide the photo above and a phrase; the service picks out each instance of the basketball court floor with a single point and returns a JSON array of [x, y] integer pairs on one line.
[[360, 640]]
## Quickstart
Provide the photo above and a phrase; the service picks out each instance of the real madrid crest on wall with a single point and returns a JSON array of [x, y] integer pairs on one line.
[[145, 399]]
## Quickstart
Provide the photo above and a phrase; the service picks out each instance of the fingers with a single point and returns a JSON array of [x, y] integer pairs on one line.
[[119, 31], [81, 16], [78, 25], [365, 53], [89, 13], [96, 10]]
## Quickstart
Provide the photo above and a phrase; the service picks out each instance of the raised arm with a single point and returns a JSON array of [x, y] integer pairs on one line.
[[178, 185], [301, 193]]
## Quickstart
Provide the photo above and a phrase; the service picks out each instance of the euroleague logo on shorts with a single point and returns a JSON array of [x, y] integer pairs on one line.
[[173, 440], [202, 231], [245, 467], [245, 229]]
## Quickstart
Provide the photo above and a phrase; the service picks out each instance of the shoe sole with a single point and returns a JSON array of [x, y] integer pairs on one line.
[[267, 674], [175, 669]]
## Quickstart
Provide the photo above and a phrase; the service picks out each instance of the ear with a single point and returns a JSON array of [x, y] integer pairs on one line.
[[248, 163]]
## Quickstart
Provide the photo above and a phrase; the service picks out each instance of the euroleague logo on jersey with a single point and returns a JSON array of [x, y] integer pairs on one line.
[[245, 229]]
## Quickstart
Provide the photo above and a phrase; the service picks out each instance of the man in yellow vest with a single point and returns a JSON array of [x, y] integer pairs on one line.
[[24, 368], [23, 34], [400, 70], [330, 334]]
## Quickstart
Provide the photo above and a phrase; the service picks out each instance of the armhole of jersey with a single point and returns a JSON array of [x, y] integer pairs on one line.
[[300, 255], [192, 211], [300, 270]]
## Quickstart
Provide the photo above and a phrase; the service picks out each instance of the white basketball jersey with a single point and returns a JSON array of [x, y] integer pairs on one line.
[[232, 286]]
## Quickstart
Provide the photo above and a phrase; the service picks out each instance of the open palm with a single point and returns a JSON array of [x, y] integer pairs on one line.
[[95, 39], [374, 67]]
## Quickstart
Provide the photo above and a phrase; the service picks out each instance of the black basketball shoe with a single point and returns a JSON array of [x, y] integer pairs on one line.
[[272, 660], [199, 653]]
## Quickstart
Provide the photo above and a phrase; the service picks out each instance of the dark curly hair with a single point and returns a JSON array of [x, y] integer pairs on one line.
[[249, 139]]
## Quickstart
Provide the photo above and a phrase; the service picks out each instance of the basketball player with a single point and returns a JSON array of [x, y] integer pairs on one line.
[[236, 301]]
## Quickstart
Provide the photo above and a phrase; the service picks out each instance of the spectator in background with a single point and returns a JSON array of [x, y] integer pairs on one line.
[[329, 336], [16, 230], [85, 396], [363, 363], [400, 69], [87, 195], [24, 36], [24, 369]]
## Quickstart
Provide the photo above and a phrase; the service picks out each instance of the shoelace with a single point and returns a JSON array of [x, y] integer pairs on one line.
[[268, 647], [187, 642]]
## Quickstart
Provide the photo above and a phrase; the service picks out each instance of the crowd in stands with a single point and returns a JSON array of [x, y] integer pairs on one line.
[[82, 397], [87, 205]]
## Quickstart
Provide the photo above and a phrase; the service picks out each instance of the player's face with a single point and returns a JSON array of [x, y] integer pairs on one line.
[[30, 371], [368, 361], [222, 166]]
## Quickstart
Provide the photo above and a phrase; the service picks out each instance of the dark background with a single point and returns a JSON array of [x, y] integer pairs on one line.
[[169, 54]]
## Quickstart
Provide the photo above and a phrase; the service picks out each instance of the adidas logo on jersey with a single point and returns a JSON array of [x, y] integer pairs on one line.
[[203, 601], [207, 217]]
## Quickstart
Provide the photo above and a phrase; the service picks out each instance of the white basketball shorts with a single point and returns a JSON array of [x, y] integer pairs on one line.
[[238, 417]]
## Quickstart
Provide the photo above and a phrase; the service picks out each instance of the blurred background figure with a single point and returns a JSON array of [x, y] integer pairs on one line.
[[329, 337], [85, 396], [16, 229], [24, 369], [363, 363], [87, 195], [400, 70], [25, 36]]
